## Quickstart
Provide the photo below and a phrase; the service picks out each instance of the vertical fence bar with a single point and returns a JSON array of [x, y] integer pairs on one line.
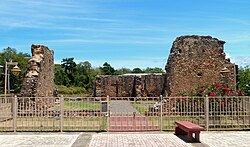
[[207, 113], [161, 112], [14, 113], [248, 110], [108, 112], [61, 113]]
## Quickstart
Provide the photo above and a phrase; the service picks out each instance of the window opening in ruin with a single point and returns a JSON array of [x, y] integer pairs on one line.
[[199, 74], [116, 84], [179, 51]]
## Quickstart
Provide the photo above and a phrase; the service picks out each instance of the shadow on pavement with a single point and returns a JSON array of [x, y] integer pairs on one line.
[[195, 144]]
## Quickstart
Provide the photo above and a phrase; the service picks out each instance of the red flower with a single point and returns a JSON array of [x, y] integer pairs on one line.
[[201, 89], [218, 85], [222, 103], [178, 99], [212, 94], [239, 93], [225, 90], [184, 99], [196, 103], [202, 108], [231, 93]]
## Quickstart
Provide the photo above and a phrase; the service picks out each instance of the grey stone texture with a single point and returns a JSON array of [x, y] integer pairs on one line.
[[196, 61]]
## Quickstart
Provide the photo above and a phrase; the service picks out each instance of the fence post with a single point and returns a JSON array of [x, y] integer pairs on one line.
[[248, 110], [14, 113], [61, 112], [161, 97], [207, 112], [108, 113]]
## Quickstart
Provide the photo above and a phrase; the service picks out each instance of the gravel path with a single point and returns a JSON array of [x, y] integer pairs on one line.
[[122, 107]]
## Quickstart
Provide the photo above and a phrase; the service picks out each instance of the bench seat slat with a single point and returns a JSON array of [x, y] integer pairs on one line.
[[189, 126]]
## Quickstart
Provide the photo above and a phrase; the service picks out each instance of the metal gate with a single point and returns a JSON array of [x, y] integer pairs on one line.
[[133, 114]]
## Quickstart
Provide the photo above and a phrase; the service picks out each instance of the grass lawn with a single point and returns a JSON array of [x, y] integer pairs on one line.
[[82, 105], [143, 106], [52, 124]]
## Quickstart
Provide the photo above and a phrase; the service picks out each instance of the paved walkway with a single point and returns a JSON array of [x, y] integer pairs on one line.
[[122, 107], [136, 140], [143, 139]]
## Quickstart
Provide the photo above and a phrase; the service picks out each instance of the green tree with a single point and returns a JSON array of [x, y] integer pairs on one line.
[[153, 70], [10, 55], [122, 71], [68, 65], [244, 80], [137, 70], [107, 69]]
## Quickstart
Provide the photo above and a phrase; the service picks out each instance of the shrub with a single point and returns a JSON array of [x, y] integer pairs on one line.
[[70, 91]]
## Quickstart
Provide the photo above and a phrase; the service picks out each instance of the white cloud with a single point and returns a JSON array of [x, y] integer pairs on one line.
[[241, 60], [228, 56]]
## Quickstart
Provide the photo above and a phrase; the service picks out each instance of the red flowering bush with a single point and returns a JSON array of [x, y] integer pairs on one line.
[[218, 99], [215, 90]]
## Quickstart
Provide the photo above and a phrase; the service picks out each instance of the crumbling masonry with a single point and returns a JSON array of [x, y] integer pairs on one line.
[[196, 61], [39, 79], [193, 61], [129, 85]]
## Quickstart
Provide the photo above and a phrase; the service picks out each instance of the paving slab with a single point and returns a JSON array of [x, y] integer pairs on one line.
[[127, 139], [226, 138], [136, 140], [38, 140]]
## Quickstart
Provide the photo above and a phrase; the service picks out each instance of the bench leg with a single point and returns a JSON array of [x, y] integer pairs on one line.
[[179, 131], [190, 137], [197, 136]]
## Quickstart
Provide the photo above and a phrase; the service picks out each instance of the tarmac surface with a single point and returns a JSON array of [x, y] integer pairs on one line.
[[129, 139]]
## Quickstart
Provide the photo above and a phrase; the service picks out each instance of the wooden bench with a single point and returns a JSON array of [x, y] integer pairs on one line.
[[188, 128]]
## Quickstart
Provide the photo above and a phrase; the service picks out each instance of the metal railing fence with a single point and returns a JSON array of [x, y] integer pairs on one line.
[[122, 114], [213, 113]]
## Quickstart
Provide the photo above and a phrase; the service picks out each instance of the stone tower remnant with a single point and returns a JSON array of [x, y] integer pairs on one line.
[[196, 61], [39, 79]]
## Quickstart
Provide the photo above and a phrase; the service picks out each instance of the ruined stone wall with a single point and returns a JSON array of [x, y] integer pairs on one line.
[[196, 61], [39, 79], [131, 85]]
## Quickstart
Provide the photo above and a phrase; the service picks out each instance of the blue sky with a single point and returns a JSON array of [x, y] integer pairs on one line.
[[125, 33]]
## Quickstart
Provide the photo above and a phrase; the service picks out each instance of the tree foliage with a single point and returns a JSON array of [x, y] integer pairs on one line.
[[107, 69], [243, 83], [10, 55]]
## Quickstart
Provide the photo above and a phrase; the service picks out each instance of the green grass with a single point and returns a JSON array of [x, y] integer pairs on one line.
[[51, 124], [143, 106], [82, 105]]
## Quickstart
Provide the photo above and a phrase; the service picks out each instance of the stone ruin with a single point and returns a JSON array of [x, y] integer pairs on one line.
[[129, 85], [39, 79], [193, 61], [198, 61]]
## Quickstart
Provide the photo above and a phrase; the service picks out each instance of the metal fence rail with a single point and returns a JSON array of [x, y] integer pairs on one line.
[[213, 113], [122, 113]]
